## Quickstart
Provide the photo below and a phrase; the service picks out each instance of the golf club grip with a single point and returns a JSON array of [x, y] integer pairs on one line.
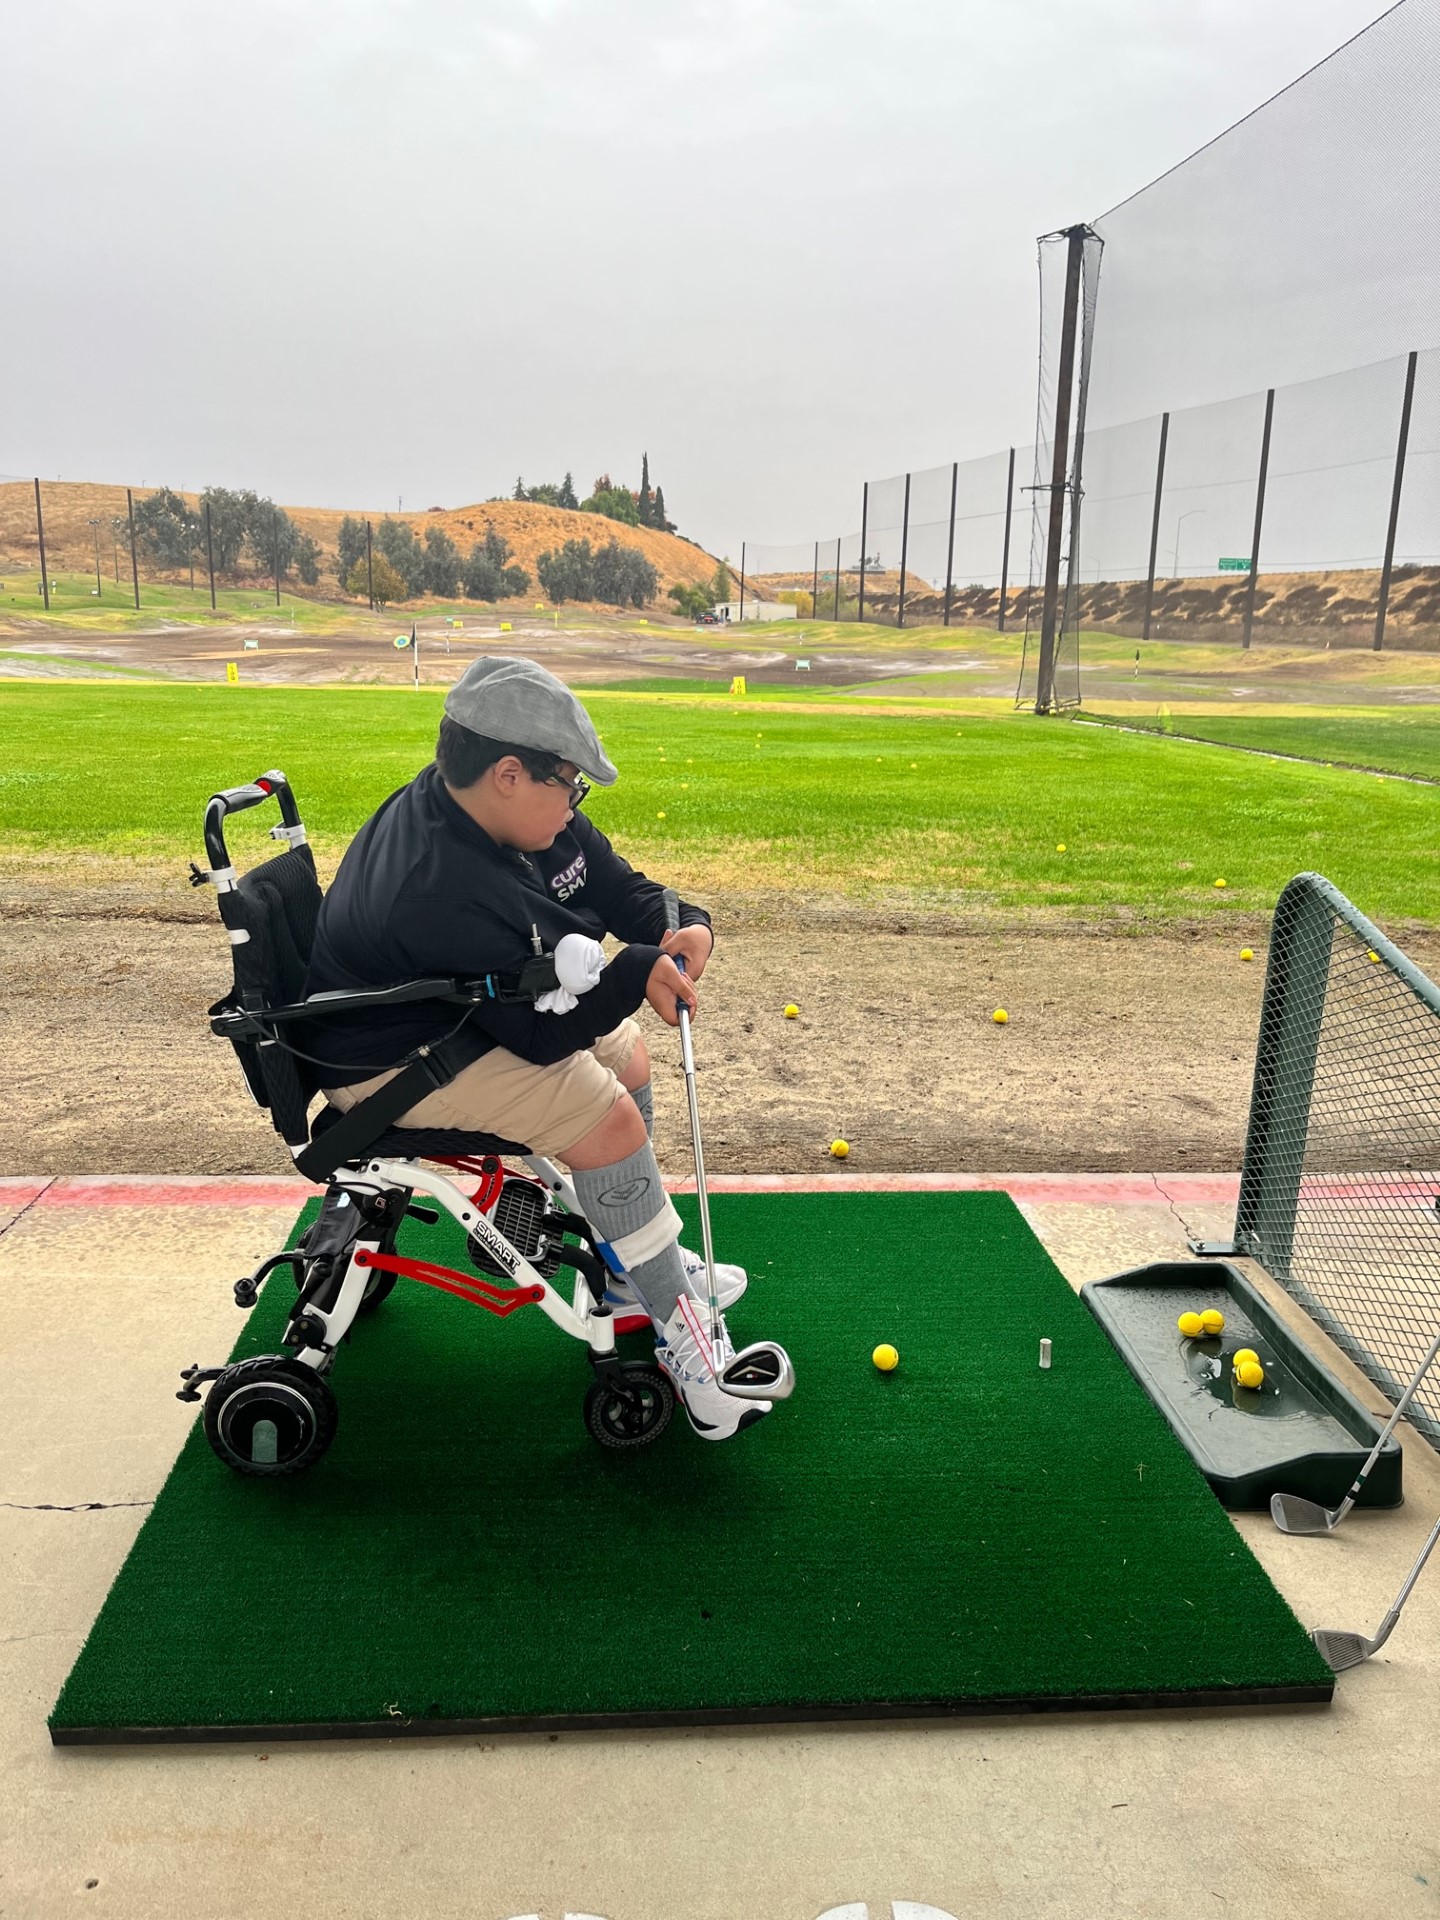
[[672, 910]]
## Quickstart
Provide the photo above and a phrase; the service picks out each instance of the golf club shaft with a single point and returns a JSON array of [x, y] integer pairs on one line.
[[1414, 1574], [702, 1195], [1390, 1425]]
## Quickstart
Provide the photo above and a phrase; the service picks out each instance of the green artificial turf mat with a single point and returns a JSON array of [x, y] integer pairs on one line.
[[968, 1533]]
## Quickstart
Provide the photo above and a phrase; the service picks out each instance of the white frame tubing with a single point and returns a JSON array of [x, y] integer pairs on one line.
[[596, 1330]]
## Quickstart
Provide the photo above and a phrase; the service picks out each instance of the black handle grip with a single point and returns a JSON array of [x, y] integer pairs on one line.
[[269, 786], [672, 910]]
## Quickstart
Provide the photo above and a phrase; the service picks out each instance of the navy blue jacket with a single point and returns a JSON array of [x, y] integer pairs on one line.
[[424, 890]]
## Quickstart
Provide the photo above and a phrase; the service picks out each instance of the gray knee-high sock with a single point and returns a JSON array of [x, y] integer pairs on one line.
[[644, 1098], [628, 1207]]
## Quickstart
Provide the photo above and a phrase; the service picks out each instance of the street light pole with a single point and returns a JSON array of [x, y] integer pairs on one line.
[[1175, 557], [95, 524]]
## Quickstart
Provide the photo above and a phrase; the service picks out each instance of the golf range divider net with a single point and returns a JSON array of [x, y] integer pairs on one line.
[[1340, 1187]]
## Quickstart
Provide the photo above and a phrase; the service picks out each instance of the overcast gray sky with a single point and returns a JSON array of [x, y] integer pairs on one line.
[[345, 251]]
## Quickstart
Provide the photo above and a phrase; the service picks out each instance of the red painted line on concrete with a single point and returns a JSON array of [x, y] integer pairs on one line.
[[161, 1190], [1081, 1189], [17, 1193], [265, 1190]]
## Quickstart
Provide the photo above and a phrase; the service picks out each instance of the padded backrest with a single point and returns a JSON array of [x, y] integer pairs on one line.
[[276, 906], [280, 905]]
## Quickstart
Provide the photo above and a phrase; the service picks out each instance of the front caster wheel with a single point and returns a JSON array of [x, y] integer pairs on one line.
[[270, 1416], [634, 1416]]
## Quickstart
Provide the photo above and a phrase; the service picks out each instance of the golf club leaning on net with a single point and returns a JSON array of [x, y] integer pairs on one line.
[[762, 1371], [1292, 1514], [1342, 1649]]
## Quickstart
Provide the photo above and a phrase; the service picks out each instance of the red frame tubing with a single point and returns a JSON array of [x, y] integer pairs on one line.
[[492, 1178], [480, 1293]]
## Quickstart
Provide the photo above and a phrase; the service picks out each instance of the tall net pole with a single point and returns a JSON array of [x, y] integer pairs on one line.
[[40, 532], [1384, 600], [134, 556], [1055, 530]]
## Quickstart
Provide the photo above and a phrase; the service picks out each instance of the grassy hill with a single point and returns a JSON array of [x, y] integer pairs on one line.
[[70, 506]]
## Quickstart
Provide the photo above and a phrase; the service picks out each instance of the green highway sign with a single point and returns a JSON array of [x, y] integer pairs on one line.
[[1235, 566]]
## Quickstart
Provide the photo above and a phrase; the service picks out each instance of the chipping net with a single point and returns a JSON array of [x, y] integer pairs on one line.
[[1340, 1193]]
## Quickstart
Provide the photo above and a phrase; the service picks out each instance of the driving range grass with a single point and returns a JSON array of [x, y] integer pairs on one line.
[[950, 808], [1385, 739]]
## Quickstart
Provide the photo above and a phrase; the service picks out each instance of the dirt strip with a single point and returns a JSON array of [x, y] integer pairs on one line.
[[1125, 1050]]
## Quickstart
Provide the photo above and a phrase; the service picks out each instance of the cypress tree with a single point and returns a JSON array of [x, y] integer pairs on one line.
[[646, 501]]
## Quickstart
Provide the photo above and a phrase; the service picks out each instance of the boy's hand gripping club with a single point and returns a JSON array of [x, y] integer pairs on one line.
[[762, 1371]]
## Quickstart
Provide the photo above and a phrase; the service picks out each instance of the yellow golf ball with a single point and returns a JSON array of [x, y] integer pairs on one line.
[[1000, 1017], [1251, 1375], [885, 1357], [1219, 883], [1191, 1325], [839, 1148], [1372, 956], [1212, 1320], [1246, 953], [792, 1012], [1060, 848], [1243, 1354]]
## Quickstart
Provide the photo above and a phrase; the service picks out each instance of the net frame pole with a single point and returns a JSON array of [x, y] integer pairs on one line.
[[275, 548], [1285, 1055], [815, 586], [904, 553], [1155, 521], [836, 615], [1005, 550], [864, 535], [950, 550], [369, 567], [40, 531], [1382, 605], [210, 553], [1259, 518], [134, 557], [1055, 531], [741, 620]]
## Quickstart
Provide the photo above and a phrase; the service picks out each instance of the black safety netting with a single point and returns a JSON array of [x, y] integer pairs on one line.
[[1294, 245], [1282, 274]]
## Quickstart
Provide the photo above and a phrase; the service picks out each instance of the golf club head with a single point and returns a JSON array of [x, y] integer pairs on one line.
[[1341, 1650], [759, 1372], [1291, 1514]]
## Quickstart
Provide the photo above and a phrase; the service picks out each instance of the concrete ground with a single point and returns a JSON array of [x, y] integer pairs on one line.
[[108, 1286]]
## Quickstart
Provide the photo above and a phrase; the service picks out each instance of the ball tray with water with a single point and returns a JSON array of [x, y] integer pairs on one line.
[[1301, 1432]]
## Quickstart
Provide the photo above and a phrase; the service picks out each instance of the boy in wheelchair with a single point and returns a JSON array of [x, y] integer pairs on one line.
[[459, 873], [482, 877]]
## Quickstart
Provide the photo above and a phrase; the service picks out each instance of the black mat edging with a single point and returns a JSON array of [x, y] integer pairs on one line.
[[413, 1729]]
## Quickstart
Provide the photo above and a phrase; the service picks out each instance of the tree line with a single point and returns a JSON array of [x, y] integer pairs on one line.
[[611, 498], [400, 566], [247, 531], [242, 526]]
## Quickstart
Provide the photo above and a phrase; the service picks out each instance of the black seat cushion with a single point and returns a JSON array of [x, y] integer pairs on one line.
[[428, 1143]]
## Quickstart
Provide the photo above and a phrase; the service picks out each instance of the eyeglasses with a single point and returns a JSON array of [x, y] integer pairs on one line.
[[576, 788]]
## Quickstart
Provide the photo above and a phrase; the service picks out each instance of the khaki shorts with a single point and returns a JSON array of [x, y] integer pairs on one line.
[[544, 1108]]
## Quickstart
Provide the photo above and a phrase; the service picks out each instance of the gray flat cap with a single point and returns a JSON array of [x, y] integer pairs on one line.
[[519, 702]]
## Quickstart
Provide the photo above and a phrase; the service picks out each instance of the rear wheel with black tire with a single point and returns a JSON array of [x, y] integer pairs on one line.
[[377, 1288], [270, 1416], [634, 1416]]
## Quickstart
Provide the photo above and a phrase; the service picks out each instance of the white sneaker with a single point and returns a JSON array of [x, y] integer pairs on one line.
[[631, 1317], [684, 1351]]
